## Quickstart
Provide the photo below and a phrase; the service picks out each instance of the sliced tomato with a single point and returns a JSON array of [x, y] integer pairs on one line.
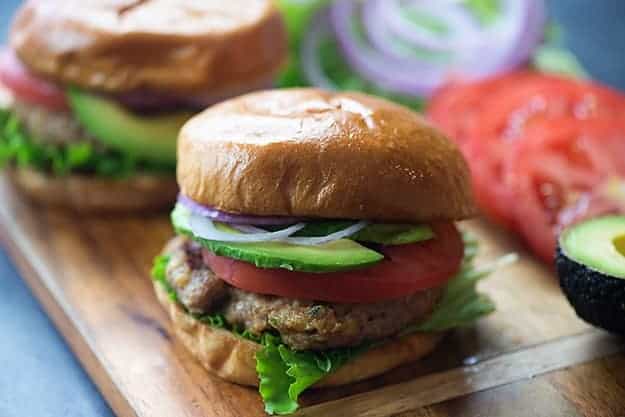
[[539, 147], [558, 162], [27, 87], [490, 116], [407, 269], [455, 107]]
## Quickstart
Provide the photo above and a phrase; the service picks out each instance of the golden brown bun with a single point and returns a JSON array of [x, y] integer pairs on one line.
[[306, 152], [233, 358], [96, 195], [181, 46]]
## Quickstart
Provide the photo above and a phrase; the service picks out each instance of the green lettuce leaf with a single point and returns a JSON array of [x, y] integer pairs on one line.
[[462, 305], [553, 58], [284, 373], [274, 379], [557, 60], [19, 149]]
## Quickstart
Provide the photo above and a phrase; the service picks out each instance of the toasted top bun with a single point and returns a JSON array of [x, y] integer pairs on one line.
[[310, 153], [234, 358], [176, 46]]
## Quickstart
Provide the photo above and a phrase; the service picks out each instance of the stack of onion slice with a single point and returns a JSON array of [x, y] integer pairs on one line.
[[202, 222], [412, 47]]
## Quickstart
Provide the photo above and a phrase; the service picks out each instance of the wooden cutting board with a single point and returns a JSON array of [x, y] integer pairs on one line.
[[533, 357]]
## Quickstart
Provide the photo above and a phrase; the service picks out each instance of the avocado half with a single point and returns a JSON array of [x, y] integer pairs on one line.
[[591, 265]]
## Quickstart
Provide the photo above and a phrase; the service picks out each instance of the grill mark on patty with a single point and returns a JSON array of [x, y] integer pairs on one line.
[[302, 324]]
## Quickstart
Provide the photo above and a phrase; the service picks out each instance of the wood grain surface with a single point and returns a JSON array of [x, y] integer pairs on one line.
[[533, 357]]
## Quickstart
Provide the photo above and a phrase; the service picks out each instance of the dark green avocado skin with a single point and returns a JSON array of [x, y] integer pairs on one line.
[[596, 297]]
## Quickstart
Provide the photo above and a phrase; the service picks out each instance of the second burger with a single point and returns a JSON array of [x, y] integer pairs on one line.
[[100, 90]]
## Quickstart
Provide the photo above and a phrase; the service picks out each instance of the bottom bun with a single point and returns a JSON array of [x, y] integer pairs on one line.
[[93, 194], [233, 358]]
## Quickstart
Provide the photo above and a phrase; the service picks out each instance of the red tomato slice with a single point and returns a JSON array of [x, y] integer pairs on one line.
[[554, 166], [27, 87], [407, 269], [536, 144], [540, 97], [490, 116], [455, 107]]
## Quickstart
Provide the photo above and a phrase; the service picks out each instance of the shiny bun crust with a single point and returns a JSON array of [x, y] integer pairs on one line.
[[181, 46], [306, 152], [233, 358], [87, 194]]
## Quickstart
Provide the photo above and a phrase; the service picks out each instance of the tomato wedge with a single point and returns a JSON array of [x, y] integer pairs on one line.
[[27, 87], [407, 269], [558, 164]]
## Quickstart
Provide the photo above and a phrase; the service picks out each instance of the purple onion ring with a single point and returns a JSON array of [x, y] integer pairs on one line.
[[505, 45], [223, 217]]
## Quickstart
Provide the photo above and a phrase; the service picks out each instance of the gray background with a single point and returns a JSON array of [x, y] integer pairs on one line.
[[39, 377]]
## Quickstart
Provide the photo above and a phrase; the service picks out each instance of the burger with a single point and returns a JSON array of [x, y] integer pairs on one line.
[[101, 88], [316, 243]]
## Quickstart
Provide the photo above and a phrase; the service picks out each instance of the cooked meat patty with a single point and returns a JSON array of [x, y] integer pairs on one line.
[[311, 325], [302, 324], [51, 127], [198, 289]]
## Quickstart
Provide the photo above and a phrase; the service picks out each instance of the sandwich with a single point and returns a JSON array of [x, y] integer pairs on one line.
[[101, 88], [316, 241]]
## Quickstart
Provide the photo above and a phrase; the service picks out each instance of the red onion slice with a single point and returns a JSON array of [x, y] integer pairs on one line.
[[386, 23], [407, 76], [205, 228], [474, 51], [310, 241], [311, 65], [223, 217]]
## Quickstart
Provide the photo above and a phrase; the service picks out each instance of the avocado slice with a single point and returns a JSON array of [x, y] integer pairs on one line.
[[147, 138], [382, 233], [394, 234], [591, 266], [340, 255]]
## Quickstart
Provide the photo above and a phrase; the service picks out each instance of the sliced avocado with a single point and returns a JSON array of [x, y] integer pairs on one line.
[[340, 255], [382, 233], [591, 266], [394, 234], [148, 138]]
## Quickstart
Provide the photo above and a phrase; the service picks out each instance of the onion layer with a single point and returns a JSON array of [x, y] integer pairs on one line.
[[206, 229], [385, 43], [223, 217]]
